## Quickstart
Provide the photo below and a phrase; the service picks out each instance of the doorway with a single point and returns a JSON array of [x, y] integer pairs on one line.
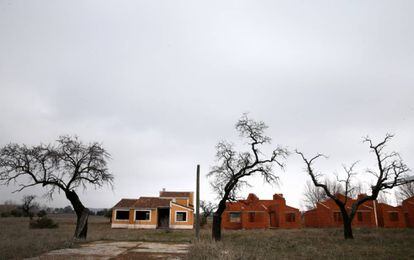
[[274, 219], [163, 218]]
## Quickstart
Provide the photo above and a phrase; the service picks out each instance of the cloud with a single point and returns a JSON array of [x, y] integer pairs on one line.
[[160, 83]]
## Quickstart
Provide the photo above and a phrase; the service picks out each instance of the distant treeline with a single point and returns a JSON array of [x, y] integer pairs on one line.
[[11, 209]]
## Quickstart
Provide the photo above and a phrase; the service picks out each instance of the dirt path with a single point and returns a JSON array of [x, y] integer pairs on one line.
[[120, 250]]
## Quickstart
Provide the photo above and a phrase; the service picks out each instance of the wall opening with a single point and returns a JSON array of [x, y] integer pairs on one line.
[[163, 218]]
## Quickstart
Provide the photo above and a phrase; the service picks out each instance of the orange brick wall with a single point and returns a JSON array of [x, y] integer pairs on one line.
[[408, 210], [261, 219], [225, 221], [385, 216]]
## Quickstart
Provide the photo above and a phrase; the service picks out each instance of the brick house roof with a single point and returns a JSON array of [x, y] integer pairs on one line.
[[175, 194], [410, 199], [151, 202], [125, 203], [164, 200]]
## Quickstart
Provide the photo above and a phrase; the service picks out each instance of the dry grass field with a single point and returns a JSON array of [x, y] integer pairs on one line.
[[308, 244], [18, 241]]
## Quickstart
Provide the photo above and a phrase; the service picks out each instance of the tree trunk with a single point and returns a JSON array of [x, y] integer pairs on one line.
[[347, 220], [216, 229], [348, 230], [82, 214]]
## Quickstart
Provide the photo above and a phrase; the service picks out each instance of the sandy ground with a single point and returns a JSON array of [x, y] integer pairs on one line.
[[119, 250]]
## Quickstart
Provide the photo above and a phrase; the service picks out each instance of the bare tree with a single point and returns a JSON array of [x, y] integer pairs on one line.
[[312, 195], [64, 167], [404, 191], [228, 175], [207, 208], [390, 169], [29, 205]]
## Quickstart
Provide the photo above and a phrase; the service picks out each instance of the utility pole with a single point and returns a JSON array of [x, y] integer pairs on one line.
[[197, 227]]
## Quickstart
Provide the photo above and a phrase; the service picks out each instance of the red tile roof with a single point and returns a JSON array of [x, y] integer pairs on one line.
[[151, 202], [125, 203]]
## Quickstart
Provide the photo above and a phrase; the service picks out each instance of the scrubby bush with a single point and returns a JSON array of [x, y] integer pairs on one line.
[[41, 213], [43, 222], [5, 214], [16, 213]]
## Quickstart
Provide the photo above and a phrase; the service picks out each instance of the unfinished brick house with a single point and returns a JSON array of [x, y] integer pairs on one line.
[[369, 214], [254, 213], [171, 209]]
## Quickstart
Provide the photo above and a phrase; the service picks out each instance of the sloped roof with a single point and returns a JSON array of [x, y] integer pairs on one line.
[[175, 194], [183, 206], [125, 203], [409, 199], [151, 202]]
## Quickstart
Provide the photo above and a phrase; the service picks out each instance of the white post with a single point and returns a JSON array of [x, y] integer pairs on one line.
[[375, 213]]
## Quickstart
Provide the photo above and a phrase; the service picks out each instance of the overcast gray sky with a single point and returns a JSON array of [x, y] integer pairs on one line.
[[159, 83]]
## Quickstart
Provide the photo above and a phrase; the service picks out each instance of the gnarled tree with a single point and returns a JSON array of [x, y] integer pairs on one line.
[[207, 209], [28, 205], [64, 167], [232, 168], [387, 175]]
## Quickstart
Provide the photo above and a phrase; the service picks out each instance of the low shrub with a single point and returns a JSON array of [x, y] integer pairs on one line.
[[5, 214], [41, 213], [16, 213], [43, 222]]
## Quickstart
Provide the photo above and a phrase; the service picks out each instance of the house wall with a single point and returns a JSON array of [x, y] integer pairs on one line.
[[120, 223], [408, 210], [368, 219], [274, 211], [225, 221], [385, 218], [261, 220], [310, 219], [323, 215], [294, 224], [178, 224], [132, 223], [183, 202], [145, 224], [191, 199]]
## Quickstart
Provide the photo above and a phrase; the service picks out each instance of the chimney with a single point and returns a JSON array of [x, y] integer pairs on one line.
[[163, 189], [277, 196]]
